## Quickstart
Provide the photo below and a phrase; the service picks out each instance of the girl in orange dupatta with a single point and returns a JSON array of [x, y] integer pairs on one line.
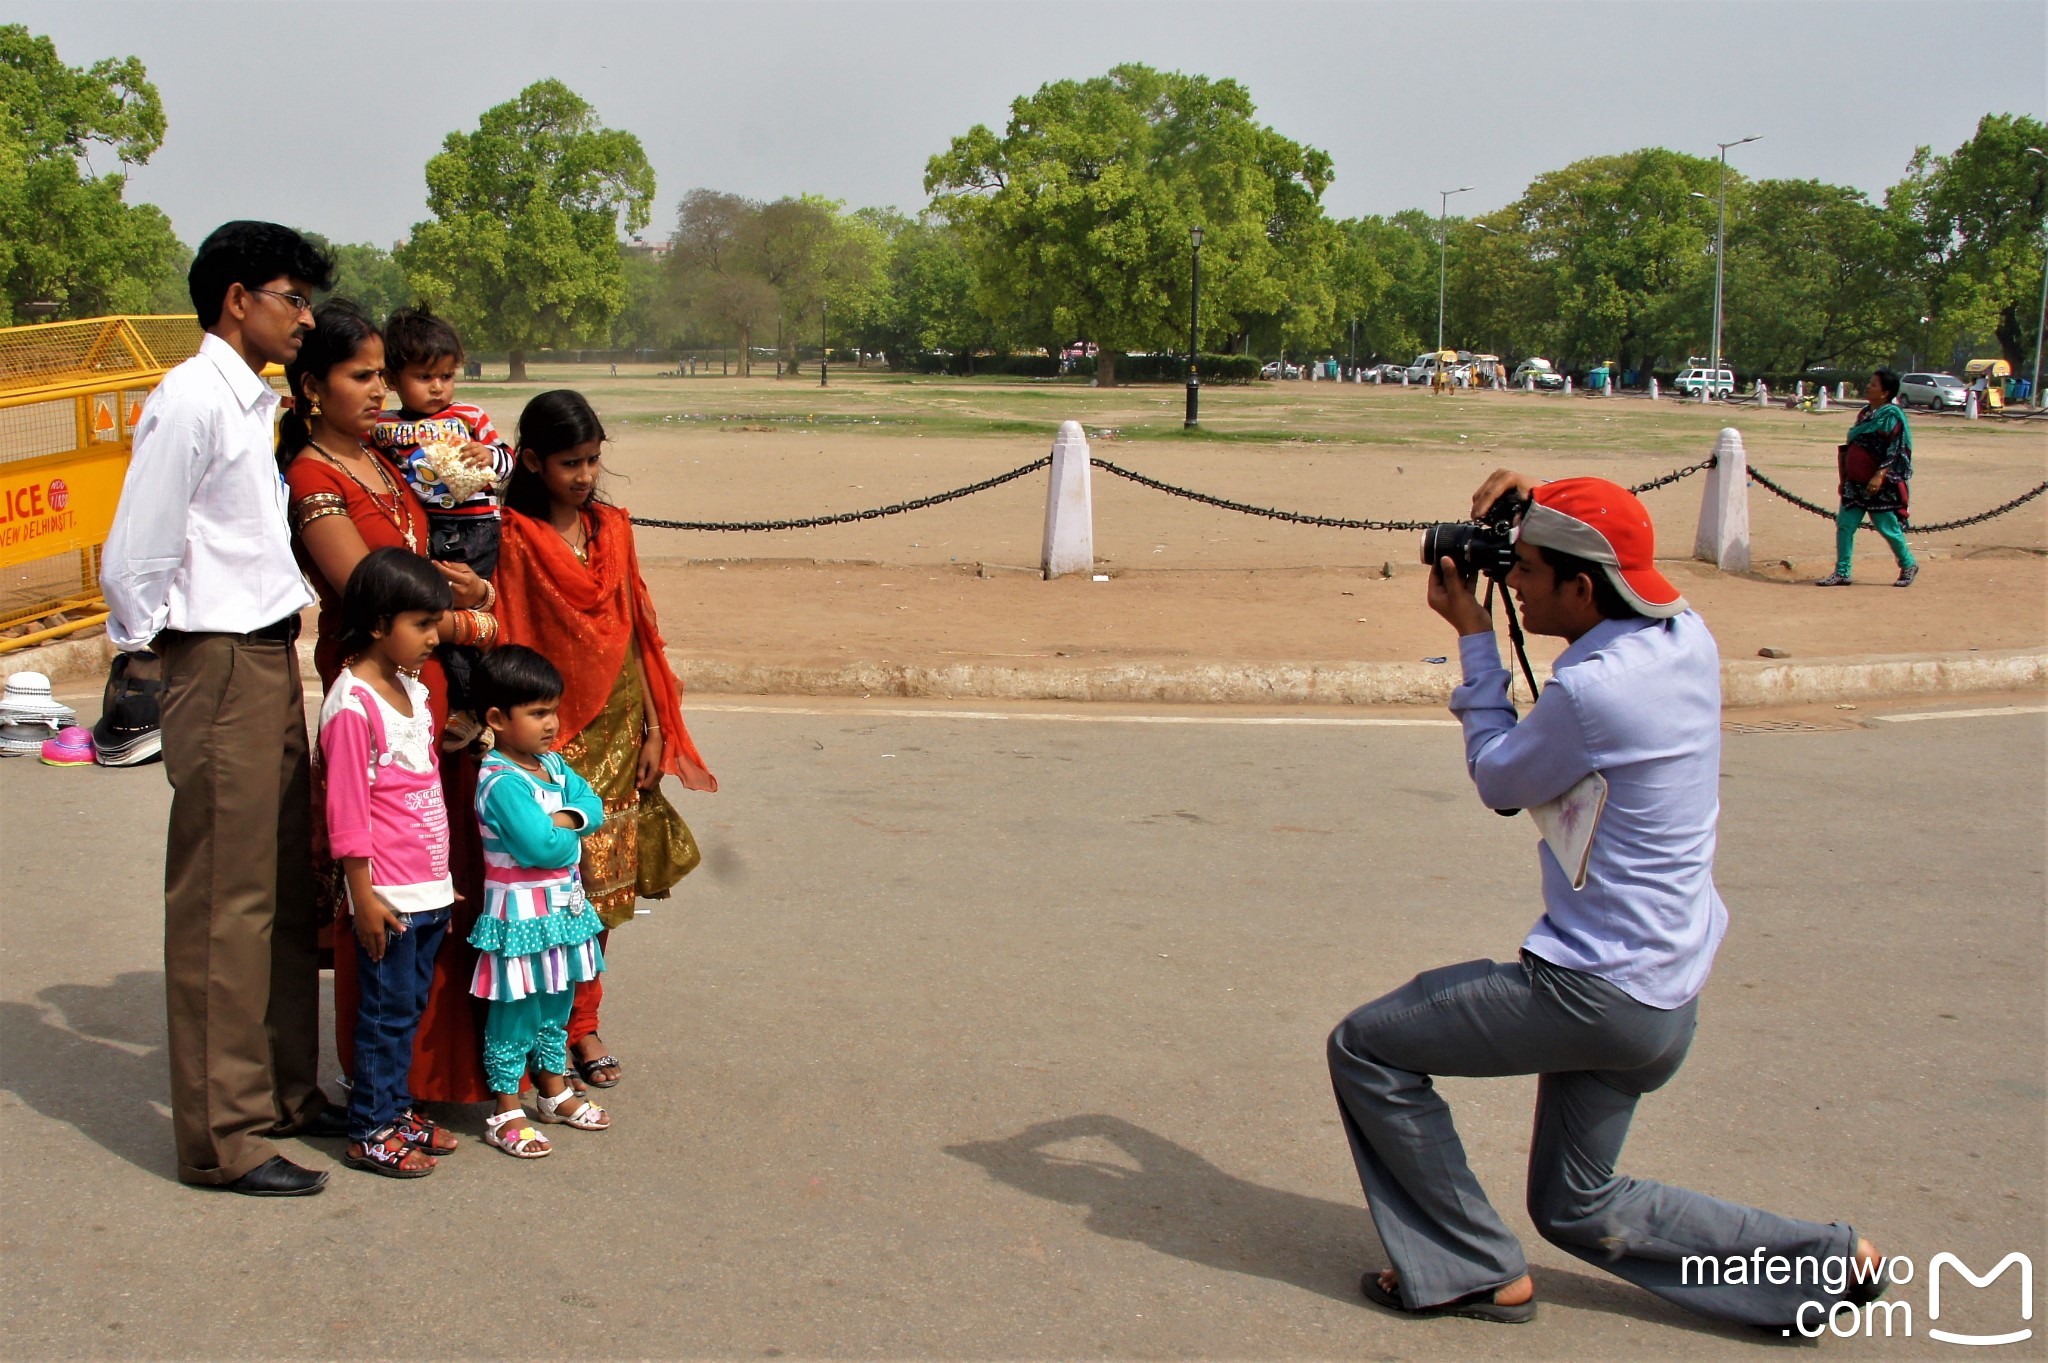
[[569, 587]]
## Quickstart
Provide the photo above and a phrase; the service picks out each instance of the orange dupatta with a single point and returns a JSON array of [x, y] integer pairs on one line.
[[581, 619]]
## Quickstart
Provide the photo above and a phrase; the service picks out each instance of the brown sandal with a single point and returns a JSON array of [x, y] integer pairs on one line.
[[422, 1134], [389, 1153]]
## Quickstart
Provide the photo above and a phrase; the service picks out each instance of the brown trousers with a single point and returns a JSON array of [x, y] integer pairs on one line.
[[241, 958]]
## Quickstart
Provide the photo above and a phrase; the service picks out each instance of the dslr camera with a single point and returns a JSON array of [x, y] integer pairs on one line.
[[1486, 545]]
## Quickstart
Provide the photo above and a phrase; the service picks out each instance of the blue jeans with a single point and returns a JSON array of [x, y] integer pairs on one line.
[[391, 995]]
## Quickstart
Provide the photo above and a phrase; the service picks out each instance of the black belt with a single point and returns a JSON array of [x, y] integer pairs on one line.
[[282, 631]]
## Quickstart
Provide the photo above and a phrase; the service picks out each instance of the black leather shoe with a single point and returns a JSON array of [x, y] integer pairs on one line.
[[279, 1177], [328, 1120]]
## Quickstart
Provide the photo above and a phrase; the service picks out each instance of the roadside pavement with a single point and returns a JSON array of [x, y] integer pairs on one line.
[[996, 1032]]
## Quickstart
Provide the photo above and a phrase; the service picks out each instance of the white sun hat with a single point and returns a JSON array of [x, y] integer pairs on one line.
[[27, 700]]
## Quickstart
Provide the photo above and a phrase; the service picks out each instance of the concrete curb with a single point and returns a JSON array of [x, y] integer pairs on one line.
[[1744, 682], [65, 660]]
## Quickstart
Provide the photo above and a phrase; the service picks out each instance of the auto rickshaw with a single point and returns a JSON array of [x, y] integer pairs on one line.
[[1994, 373]]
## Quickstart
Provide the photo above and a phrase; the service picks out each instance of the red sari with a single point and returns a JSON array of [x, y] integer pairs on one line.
[[447, 1055], [592, 620]]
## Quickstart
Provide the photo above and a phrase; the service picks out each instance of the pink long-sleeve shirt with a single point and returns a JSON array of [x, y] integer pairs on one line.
[[384, 792]]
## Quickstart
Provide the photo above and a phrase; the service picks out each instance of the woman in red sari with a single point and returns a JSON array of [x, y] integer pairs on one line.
[[345, 501], [569, 587]]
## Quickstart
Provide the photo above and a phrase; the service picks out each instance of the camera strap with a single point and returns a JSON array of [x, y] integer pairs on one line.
[[1515, 637]]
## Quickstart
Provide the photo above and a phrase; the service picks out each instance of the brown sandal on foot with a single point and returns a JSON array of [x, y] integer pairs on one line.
[[389, 1153]]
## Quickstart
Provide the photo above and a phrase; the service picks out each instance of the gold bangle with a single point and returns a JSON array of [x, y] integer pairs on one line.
[[490, 596]]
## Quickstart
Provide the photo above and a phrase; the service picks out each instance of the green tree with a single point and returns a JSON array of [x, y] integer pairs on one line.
[[1077, 217], [366, 274], [1817, 275], [66, 235], [713, 273], [1980, 211], [523, 248], [814, 257], [1386, 275], [1607, 258]]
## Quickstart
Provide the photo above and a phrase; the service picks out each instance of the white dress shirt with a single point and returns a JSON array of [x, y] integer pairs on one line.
[[200, 541]]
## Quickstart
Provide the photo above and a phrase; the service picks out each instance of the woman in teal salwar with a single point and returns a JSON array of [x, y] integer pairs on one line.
[[1881, 494]]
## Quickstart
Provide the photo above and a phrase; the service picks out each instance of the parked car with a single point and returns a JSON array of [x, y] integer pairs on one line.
[[1931, 390], [1692, 381], [1537, 371], [1274, 369], [1424, 367]]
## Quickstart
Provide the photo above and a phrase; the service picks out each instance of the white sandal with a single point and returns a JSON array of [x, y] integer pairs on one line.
[[589, 1117], [520, 1142]]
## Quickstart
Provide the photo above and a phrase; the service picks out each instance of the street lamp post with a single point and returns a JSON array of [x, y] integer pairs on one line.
[[1720, 254], [1194, 417], [824, 310], [1443, 197], [2042, 317]]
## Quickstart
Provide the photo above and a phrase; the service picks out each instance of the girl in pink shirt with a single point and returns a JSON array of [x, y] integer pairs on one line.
[[388, 829]]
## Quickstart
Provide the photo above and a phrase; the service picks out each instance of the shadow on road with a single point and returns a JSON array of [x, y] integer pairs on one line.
[[92, 1056], [1169, 1198]]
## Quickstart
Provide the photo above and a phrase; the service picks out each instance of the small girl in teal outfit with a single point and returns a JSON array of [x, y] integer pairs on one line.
[[537, 934]]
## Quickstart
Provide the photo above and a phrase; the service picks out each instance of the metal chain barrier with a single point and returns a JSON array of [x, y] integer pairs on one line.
[[847, 517], [1296, 517], [1675, 475], [1936, 528], [1272, 513]]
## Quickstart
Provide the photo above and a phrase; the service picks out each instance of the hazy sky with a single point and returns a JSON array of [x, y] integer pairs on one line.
[[322, 114]]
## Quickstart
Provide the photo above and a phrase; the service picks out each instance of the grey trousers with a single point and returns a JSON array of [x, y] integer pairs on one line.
[[1597, 1050]]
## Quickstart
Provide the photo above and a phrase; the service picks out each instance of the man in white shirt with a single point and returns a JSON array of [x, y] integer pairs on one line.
[[198, 567]]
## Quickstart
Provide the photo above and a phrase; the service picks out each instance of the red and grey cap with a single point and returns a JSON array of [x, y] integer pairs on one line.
[[1604, 523]]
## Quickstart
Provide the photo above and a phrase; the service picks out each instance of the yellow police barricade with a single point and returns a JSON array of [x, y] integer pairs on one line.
[[70, 395]]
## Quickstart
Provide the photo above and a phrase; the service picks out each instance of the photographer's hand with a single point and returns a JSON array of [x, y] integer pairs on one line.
[[1450, 595], [1497, 482]]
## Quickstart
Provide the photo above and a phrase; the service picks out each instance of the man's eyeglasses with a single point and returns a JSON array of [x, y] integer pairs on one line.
[[297, 302]]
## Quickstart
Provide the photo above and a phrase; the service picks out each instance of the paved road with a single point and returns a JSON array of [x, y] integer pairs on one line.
[[1002, 1037]]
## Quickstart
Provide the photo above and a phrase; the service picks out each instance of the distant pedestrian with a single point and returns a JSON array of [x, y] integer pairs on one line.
[[198, 568], [1876, 467]]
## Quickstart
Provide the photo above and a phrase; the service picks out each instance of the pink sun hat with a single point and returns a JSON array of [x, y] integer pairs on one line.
[[72, 747]]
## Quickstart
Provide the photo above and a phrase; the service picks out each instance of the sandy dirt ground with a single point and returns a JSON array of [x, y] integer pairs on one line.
[[1189, 581]]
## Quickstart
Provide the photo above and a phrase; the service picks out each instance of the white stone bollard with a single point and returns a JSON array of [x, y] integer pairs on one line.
[[1404, 378], [1841, 390], [1970, 405], [1763, 393], [1069, 506], [1800, 391], [1375, 377], [1723, 536], [1529, 381], [1653, 387], [1820, 400], [1567, 385]]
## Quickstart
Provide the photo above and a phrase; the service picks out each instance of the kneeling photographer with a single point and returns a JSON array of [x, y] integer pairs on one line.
[[1625, 736]]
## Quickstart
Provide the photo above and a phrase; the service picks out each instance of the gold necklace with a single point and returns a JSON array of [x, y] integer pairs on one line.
[[581, 551], [399, 520]]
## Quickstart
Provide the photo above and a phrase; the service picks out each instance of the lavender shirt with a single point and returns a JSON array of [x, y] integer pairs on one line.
[[1638, 701]]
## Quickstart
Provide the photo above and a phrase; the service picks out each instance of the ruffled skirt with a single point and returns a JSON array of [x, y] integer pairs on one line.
[[534, 940]]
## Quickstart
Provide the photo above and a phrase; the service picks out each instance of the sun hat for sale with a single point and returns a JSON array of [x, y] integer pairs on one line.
[[129, 731], [71, 748], [25, 739], [26, 699], [1604, 523]]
